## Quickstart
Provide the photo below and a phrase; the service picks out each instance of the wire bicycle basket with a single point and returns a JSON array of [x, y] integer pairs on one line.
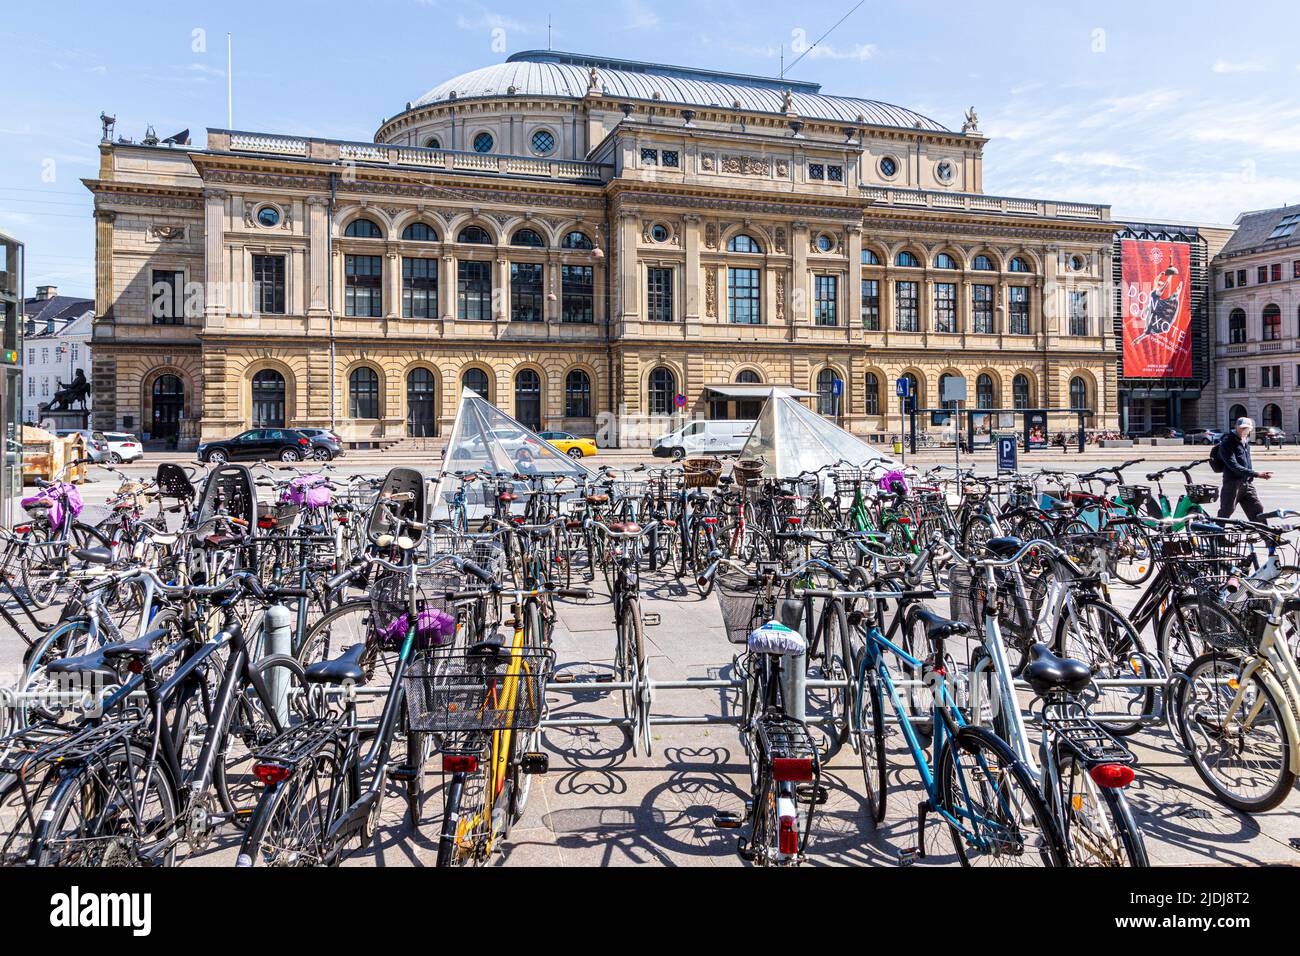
[[469, 692]]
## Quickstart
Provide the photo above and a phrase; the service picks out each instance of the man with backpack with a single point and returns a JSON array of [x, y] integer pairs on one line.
[[1231, 456]]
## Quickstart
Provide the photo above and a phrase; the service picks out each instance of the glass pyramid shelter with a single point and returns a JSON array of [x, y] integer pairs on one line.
[[485, 438], [791, 439]]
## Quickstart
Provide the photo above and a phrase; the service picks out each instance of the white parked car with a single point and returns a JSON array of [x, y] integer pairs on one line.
[[121, 446], [725, 436]]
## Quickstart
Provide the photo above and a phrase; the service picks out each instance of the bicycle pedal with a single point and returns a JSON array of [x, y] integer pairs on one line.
[[743, 851], [908, 856], [728, 820], [604, 678], [815, 795], [650, 618], [566, 678], [534, 763]]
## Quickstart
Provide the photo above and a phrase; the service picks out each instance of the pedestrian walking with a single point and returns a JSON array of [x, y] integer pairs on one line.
[[1239, 474]]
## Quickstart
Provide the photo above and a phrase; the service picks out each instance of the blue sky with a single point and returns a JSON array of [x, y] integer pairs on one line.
[[1173, 112]]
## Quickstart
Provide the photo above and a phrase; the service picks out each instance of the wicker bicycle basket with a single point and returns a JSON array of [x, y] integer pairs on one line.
[[701, 472], [475, 692], [747, 471]]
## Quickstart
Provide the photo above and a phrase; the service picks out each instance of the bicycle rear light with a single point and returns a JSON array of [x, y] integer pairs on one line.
[[1112, 775], [788, 840], [271, 773], [459, 763], [792, 768]]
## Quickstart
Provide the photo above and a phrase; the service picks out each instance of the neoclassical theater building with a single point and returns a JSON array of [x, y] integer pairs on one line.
[[575, 236]]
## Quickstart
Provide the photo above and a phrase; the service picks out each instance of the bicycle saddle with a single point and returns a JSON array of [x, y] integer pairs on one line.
[[775, 638], [1046, 672], [140, 647], [937, 627], [92, 664], [93, 555], [1004, 547], [345, 667]]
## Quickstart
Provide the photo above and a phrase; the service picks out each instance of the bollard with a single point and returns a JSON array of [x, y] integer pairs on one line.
[[277, 635]]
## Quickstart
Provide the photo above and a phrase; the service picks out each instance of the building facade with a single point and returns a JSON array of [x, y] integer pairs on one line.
[[1257, 319], [587, 240], [57, 333], [11, 395]]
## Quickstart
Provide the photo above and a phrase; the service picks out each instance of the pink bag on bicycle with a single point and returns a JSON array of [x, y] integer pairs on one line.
[[60, 495], [894, 482], [309, 491]]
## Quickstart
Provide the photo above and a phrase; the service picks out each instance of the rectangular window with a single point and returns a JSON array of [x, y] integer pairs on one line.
[[649, 157], [419, 288], [31, 356], [906, 310], [1227, 279], [1236, 378], [31, 388], [659, 295], [473, 290], [1272, 327], [871, 305], [825, 297], [526, 293], [1275, 272], [1271, 376], [363, 278], [743, 299], [268, 285], [1018, 313], [168, 291], [1295, 269], [669, 158], [1078, 313], [1261, 275], [1241, 278], [835, 174], [982, 308], [75, 351], [816, 171], [945, 307], [577, 287]]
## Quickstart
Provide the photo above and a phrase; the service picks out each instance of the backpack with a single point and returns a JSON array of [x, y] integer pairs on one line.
[[1216, 459]]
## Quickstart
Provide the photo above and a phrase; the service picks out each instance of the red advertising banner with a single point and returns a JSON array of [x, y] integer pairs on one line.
[[1157, 308]]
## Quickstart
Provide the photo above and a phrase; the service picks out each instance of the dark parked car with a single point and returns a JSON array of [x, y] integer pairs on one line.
[[1202, 436], [257, 444], [1166, 433], [325, 444], [1270, 435]]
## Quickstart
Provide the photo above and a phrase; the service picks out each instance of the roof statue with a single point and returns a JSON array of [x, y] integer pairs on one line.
[[792, 439], [972, 124]]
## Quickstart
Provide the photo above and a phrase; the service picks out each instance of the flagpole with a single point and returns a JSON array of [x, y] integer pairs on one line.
[[230, 88]]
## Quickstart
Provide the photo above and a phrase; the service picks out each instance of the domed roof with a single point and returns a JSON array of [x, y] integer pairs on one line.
[[567, 75]]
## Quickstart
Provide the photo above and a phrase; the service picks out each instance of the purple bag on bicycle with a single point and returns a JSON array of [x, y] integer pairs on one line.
[[309, 491], [433, 628], [894, 482], [60, 495]]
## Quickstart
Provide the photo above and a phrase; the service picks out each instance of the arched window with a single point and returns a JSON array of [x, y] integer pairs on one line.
[[1272, 323], [663, 386], [747, 408], [983, 264], [433, 143], [869, 258], [828, 403], [1018, 264], [577, 394], [914, 390], [362, 229], [577, 240], [476, 380], [944, 261], [1237, 327], [268, 399], [741, 242], [871, 394], [420, 232], [527, 237], [475, 235], [1020, 392], [1272, 416], [528, 399], [168, 407], [421, 403], [907, 260], [943, 380], [363, 393], [1078, 393], [984, 391], [1235, 412]]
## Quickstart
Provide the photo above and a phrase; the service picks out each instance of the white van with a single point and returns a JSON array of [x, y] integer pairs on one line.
[[715, 437]]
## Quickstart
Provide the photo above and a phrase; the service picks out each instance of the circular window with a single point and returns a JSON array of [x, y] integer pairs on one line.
[[659, 232], [483, 143], [825, 243], [268, 216], [1076, 263], [945, 171], [543, 142], [889, 167]]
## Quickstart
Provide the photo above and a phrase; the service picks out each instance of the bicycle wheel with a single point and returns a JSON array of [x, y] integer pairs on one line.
[[1130, 551], [467, 828], [629, 657], [1239, 742], [975, 533], [1004, 819], [833, 663], [293, 818], [70, 639], [109, 813], [1093, 631], [1099, 828], [869, 725], [1191, 628]]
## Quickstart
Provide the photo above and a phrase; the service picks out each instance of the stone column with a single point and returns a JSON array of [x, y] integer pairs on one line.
[[798, 293], [318, 254], [853, 287], [214, 245], [392, 281], [691, 278], [447, 286], [628, 303]]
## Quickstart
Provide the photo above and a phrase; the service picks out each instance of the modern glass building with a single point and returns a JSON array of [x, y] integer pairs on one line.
[[11, 392]]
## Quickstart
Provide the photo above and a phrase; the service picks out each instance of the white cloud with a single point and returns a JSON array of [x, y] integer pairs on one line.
[[858, 51], [1103, 159], [1244, 66], [491, 21], [640, 16]]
